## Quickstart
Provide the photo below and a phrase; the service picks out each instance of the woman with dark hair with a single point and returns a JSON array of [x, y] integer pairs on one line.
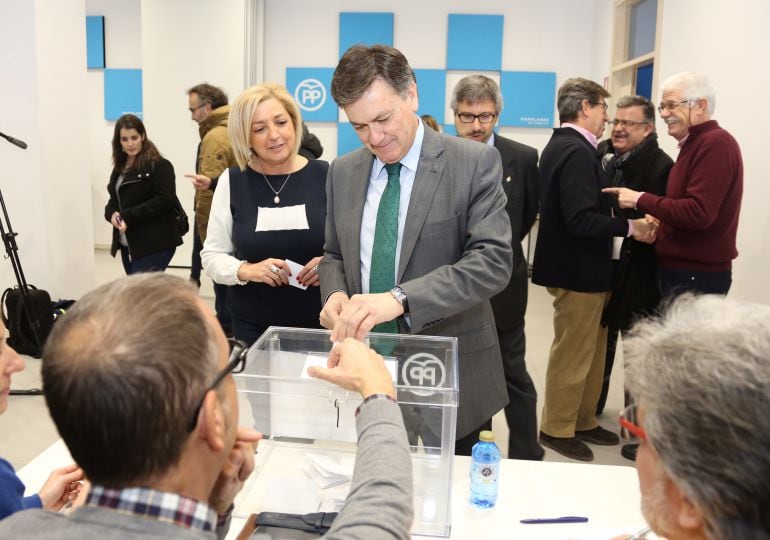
[[142, 202]]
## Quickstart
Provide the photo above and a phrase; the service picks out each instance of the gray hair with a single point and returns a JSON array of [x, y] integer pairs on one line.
[[122, 373], [361, 65], [573, 92], [701, 372], [475, 89], [648, 109], [693, 86]]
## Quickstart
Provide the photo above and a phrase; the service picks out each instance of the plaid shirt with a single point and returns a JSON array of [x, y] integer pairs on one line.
[[152, 504]]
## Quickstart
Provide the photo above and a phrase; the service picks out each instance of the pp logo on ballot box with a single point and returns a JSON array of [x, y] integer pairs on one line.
[[423, 369]]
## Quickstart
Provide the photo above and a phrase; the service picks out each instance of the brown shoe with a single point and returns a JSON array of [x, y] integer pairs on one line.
[[598, 435], [569, 447]]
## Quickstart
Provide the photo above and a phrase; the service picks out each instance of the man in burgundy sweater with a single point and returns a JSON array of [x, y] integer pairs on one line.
[[699, 213]]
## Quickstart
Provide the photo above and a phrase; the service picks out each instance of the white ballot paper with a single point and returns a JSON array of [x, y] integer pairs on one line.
[[295, 268], [320, 361]]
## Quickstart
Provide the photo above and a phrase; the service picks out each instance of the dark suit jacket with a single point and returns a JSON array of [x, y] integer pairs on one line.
[[455, 254], [574, 238], [521, 183], [635, 290]]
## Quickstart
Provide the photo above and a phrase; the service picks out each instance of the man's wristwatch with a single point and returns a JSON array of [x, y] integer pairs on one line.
[[400, 296]]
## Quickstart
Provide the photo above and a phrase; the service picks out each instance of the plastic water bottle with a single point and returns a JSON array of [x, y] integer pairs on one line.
[[485, 471]]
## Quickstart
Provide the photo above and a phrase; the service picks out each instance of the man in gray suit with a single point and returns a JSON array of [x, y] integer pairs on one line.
[[421, 248], [137, 377], [477, 103]]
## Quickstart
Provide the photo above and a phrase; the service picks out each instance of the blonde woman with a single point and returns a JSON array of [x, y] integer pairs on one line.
[[267, 218]]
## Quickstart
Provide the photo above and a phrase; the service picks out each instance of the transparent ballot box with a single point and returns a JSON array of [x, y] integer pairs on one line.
[[306, 458]]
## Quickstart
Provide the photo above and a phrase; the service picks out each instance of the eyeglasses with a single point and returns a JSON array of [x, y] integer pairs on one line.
[[193, 109], [484, 118], [626, 123], [671, 105], [629, 424], [603, 105], [236, 364]]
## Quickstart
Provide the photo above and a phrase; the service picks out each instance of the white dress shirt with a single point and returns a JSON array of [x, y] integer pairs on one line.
[[378, 181]]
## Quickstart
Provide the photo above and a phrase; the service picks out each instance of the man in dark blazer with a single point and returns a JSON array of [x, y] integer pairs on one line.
[[572, 259], [449, 241], [634, 160], [477, 102]]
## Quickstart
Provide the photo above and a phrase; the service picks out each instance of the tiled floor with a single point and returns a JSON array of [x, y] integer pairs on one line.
[[26, 428]]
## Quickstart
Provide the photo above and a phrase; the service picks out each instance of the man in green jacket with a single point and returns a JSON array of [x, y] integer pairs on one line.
[[209, 108]]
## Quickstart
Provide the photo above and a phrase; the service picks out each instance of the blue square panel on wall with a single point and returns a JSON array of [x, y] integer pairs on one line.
[[95, 42], [431, 88], [347, 140], [475, 42], [529, 98], [311, 88], [122, 93], [366, 29]]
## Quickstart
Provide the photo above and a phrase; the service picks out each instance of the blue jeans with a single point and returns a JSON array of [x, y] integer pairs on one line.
[[674, 281], [154, 262]]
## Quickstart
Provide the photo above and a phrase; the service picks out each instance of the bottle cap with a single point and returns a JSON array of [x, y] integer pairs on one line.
[[487, 436]]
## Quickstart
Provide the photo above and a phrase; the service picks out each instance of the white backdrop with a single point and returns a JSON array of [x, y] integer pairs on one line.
[[55, 190]]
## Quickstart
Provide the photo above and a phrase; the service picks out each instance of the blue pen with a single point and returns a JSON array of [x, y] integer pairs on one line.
[[562, 519]]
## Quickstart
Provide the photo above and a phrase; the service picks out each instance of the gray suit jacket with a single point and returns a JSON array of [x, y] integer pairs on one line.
[[455, 255], [379, 506]]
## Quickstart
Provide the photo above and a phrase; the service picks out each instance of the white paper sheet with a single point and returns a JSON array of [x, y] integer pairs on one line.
[[282, 218]]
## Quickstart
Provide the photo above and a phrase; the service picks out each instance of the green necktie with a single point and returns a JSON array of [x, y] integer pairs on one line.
[[382, 271]]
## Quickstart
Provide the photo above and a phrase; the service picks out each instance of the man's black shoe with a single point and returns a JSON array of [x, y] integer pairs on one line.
[[629, 451], [598, 435], [569, 447]]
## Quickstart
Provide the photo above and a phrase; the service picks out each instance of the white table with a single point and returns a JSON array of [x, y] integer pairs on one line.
[[607, 495]]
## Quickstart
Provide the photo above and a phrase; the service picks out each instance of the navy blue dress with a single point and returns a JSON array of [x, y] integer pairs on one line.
[[256, 306]]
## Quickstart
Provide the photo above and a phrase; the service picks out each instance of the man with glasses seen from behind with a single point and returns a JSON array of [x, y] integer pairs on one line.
[[699, 213], [477, 103], [137, 377], [700, 379], [633, 159]]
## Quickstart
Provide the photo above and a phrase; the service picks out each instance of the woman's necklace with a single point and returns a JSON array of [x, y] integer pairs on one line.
[[276, 199]]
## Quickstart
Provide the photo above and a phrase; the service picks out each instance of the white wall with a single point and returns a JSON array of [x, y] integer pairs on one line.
[[46, 187], [729, 42], [186, 42], [123, 50], [570, 37]]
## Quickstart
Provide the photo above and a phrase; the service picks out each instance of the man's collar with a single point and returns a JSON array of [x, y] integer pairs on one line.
[[412, 157], [156, 505], [590, 137], [491, 139]]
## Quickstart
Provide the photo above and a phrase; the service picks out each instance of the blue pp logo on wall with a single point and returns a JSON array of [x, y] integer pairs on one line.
[[311, 90], [310, 95]]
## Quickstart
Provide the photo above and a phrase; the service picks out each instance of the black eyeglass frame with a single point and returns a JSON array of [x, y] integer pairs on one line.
[[474, 117], [193, 109], [235, 364], [627, 123]]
